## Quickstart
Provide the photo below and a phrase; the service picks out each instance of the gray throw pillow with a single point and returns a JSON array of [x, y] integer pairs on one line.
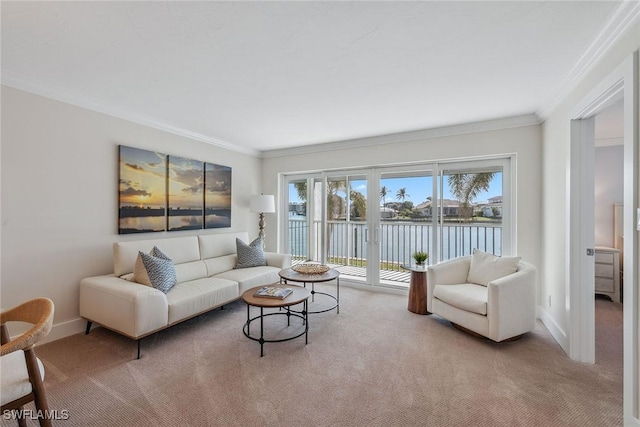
[[160, 271], [250, 255]]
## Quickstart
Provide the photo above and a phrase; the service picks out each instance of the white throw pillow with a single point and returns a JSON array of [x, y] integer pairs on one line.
[[486, 267]]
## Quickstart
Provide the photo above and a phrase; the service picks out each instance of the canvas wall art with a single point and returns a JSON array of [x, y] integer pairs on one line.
[[185, 198], [142, 189], [159, 192], [217, 196]]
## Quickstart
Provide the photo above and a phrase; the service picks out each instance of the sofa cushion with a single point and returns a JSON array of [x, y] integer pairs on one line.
[[250, 255], [486, 267], [220, 244], [220, 264], [248, 278], [191, 271], [467, 296], [157, 272], [196, 296], [179, 249]]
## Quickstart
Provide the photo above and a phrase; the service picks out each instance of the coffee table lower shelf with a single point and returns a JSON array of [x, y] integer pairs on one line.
[[300, 295]]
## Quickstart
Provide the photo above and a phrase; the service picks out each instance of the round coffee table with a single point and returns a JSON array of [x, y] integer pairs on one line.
[[289, 274], [299, 295]]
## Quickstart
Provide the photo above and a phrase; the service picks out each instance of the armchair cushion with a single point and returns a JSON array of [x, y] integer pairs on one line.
[[487, 267], [467, 296], [15, 378]]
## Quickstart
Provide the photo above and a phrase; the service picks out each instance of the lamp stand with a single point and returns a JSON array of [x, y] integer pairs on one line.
[[261, 227]]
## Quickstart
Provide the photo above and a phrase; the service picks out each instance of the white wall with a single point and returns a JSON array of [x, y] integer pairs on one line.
[[609, 168], [555, 168], [524, 141], [60, 196]]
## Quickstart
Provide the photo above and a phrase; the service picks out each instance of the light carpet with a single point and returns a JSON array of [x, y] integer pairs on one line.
[[374, 364]]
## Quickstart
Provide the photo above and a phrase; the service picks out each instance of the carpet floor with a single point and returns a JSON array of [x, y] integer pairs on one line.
[[374, 364]]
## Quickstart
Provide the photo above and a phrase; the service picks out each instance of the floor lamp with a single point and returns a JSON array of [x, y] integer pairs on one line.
[[262, 204]]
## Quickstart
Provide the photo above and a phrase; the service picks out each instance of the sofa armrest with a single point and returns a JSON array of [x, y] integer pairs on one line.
[[511, 303], [126, 307], [278, 260]]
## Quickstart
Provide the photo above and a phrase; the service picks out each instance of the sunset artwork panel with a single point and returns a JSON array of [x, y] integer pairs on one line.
[[186, 194], [142, 190], [217, 196]]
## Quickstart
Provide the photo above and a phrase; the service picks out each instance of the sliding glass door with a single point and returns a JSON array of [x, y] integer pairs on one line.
[[368, 223]]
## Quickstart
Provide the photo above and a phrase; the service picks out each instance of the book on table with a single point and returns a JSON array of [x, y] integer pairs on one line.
[[273, 292]]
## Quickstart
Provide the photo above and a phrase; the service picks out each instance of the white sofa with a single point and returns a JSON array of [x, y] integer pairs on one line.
[[504, 309], [206, 280]]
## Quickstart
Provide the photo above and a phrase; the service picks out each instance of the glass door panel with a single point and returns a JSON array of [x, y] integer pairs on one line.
[[298, 224], [470, 211], [336, 223], [404, 222], [346, 225], [357, 219]]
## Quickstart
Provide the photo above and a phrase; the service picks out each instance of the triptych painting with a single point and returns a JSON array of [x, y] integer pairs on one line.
[[161, 192]]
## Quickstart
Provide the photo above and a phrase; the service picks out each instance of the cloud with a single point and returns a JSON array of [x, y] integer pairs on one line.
[[194, 189], [135, 167], [133, 192], [218, 180]]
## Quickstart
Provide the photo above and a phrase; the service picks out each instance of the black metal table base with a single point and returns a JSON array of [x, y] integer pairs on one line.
[[335, 297], [304, 315]]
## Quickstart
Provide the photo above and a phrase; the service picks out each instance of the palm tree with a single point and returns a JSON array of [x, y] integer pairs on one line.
[[466, 187], [335, 203], [301, 189], [358, 205], [402, 194], [383, 194]]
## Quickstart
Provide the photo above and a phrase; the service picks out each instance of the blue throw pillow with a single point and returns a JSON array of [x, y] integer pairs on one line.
[[250, 255]]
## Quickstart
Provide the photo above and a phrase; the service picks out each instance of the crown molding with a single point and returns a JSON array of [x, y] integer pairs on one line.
[[626, 15], [466, 128], [17, 82]]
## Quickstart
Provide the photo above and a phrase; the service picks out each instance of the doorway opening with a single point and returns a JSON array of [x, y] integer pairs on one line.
[[609, 235]]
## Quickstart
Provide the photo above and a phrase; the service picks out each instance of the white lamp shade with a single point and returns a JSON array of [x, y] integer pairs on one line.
[[262, 204]]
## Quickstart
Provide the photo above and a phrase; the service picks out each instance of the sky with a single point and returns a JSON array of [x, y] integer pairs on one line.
[[142, 178], [417, 189]]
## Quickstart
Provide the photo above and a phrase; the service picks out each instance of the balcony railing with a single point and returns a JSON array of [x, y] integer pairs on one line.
[[398, 240]]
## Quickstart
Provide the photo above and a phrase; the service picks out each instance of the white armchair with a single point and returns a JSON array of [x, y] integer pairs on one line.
[[503, 309]]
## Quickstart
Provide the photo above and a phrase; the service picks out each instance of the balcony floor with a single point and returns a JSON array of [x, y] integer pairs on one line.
[[400, 278]]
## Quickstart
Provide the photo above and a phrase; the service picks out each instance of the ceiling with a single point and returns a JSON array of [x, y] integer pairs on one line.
[[260, 76]]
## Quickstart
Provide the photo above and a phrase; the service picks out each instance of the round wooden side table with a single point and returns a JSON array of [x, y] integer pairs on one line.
[[299, 295], [417, 289]]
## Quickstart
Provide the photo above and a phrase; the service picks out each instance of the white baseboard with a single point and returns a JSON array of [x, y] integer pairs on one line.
[[556, 331], [65, 329]]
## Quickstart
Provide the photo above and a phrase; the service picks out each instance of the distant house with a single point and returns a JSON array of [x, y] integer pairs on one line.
[[449, 207], [386, 213], [298, 208], [492, 208]]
